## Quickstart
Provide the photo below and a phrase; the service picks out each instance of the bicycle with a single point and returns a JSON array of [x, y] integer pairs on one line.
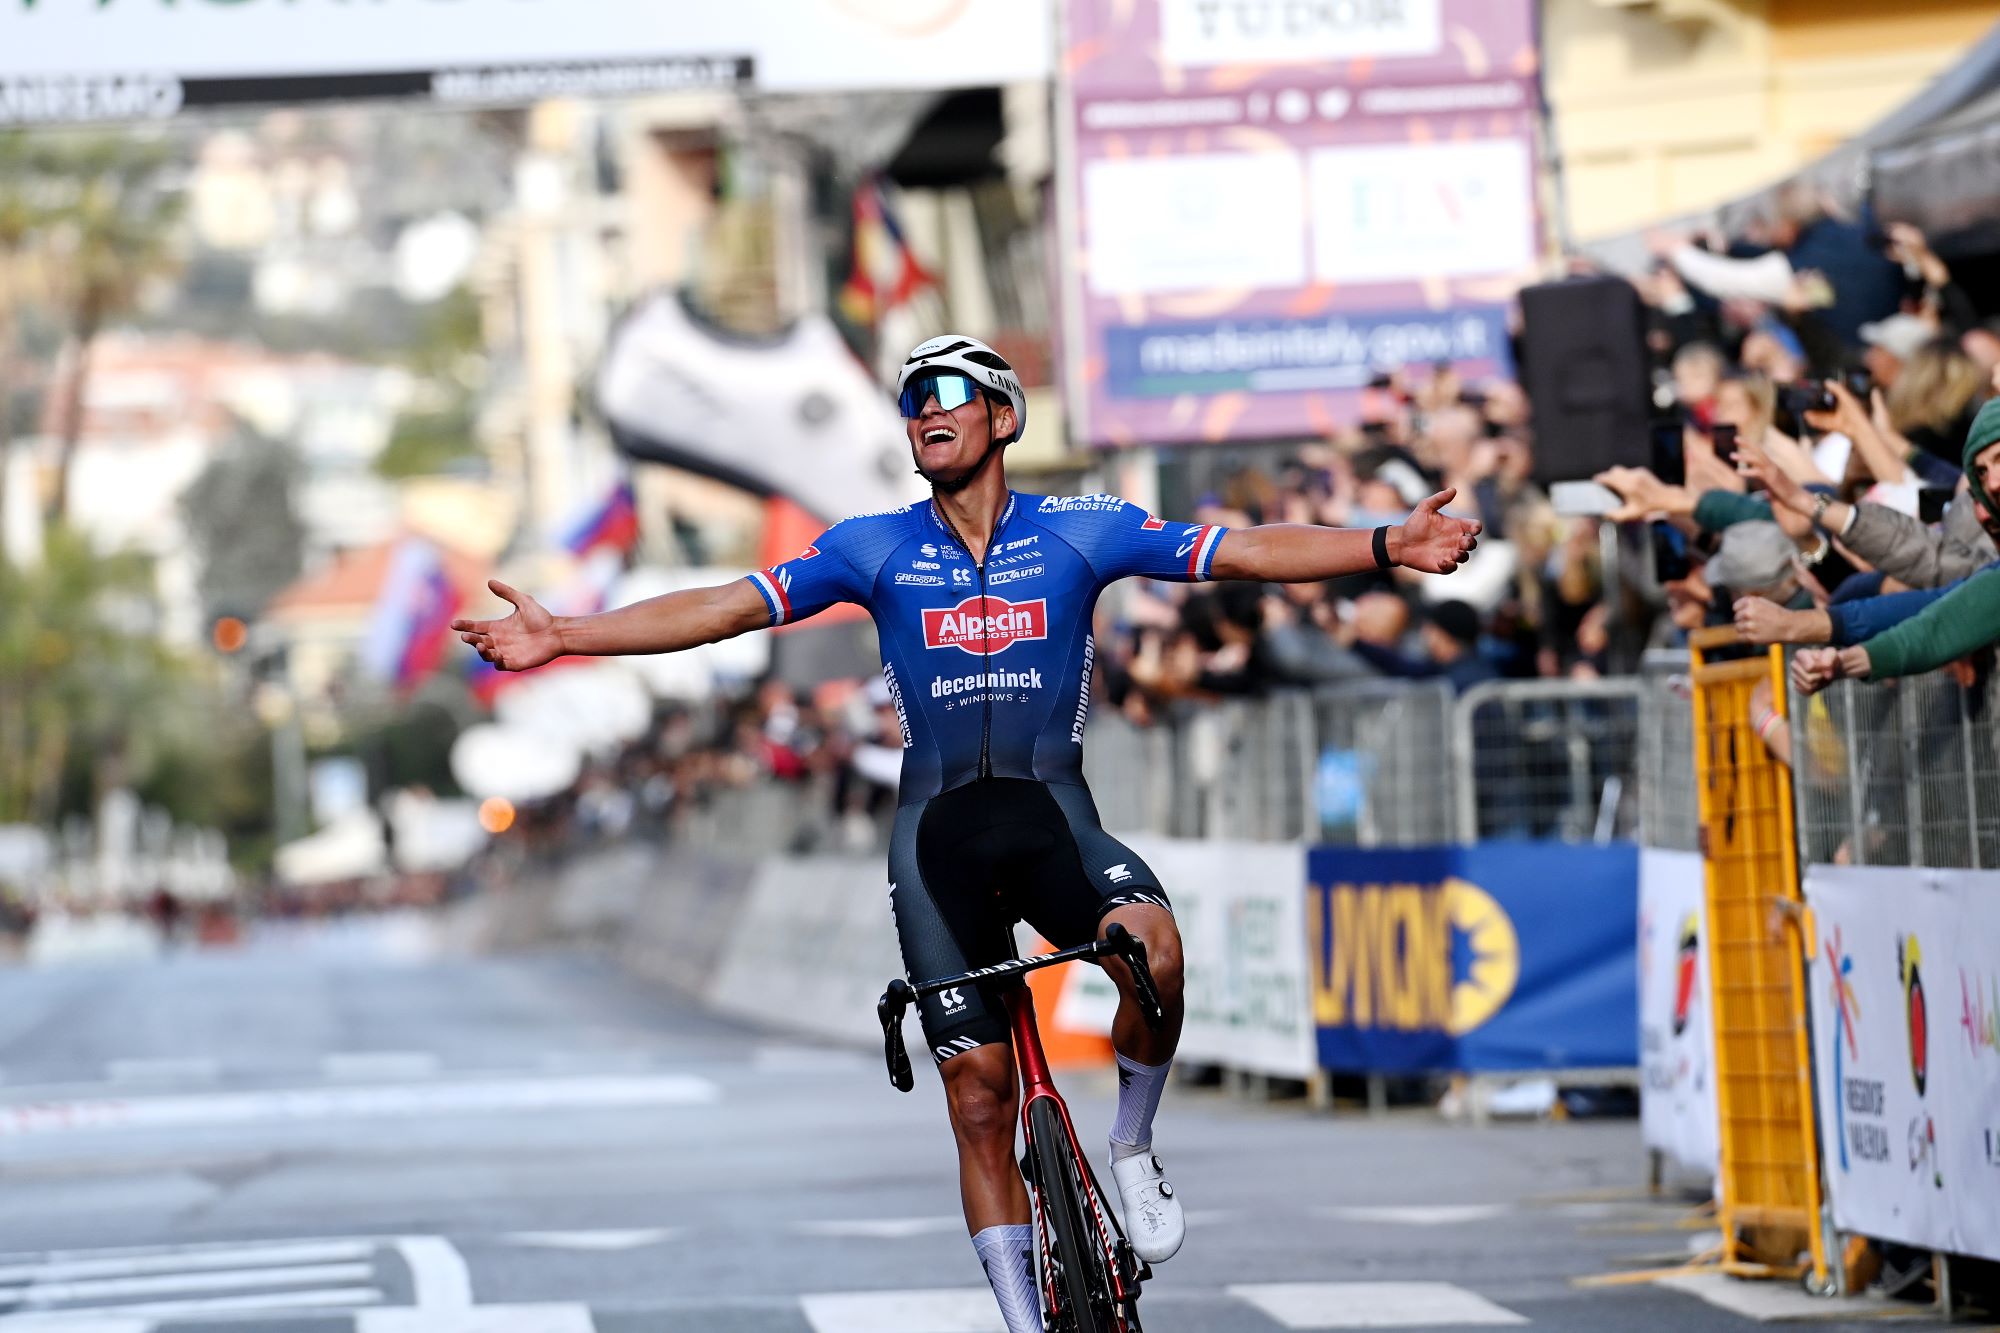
[[1087, 1270]]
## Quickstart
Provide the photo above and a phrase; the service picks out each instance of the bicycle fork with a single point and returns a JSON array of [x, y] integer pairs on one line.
[[1038, 1084]]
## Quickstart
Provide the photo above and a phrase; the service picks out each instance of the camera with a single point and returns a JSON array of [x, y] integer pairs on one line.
[[1798, 399], [1859, 382]]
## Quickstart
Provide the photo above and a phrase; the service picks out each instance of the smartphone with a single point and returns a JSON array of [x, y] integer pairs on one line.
[[1931, 502], [1583, 499], [1724, 436], [1859, 383]]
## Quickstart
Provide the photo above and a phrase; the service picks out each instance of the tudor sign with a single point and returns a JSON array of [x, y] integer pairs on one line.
[[984, 625]]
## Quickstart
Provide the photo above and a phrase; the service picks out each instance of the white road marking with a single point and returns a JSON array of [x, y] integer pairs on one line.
[[1416, 1215], [1767, 1302], [1372, 1304], [967, 1310], [485, 1319], [77, 1324], [380, 1064], [164, 1284], [595, 1062], [880, 1228], [309, 1104], [163, 1071], [60, 1269], [779, 1058], [332, 1299], [438, 1274], [595, 1240]]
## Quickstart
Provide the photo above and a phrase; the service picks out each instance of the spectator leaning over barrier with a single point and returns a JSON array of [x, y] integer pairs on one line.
[[1961, 622]]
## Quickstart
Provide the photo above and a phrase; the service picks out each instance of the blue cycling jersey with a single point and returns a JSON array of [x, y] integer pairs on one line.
[[988, 663]]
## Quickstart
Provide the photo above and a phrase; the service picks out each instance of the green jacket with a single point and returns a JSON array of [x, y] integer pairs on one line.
[[1962, 621], [1716, 510]]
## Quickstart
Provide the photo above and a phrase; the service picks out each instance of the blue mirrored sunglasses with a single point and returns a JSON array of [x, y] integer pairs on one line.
[[951, 388]]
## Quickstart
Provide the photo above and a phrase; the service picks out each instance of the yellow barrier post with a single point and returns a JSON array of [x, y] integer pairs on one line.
[[1769, 1193]]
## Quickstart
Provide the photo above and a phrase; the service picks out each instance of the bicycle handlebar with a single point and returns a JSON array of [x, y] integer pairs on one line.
[[1118, 942]]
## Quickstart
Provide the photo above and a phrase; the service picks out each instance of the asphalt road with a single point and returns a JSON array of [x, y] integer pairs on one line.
[[333, 1131]]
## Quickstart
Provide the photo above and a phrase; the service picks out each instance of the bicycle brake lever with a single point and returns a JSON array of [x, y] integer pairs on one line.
[[889, 1009], [1132, 949]]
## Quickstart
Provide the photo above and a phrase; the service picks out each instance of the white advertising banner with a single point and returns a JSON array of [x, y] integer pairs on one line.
[[1906, 1033], [1441, 209], [1677, 1105], [1241, 911], [89, 59], [1153, 222]]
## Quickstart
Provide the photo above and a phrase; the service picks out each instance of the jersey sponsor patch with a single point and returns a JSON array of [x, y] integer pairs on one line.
[[1071, 504], [809, 553], [1000, 576], [986, 625], [944, 687], [1153, 524], [920, 580]]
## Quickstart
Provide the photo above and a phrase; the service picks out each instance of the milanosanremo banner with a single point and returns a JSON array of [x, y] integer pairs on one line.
[[1273, 201], [1905, 986], [121, 60]]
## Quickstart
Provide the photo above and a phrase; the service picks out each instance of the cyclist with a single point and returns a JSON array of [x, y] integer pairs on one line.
[[982, 600]]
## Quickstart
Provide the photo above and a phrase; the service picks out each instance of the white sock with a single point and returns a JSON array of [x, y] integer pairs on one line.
[[1139, 1089], [1008, 1255]]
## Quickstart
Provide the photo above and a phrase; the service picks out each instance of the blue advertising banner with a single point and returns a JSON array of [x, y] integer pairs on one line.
[[1326, 352], [1496, 956]]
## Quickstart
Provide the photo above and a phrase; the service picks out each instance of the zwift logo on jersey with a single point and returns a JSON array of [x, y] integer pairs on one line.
[[985, 625]]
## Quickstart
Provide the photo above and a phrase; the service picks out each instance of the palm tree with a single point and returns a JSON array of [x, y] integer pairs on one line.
[[115, 232]]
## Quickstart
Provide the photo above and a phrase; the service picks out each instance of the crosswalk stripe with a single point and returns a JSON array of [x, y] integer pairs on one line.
[[479, 1319], [968, 1310], [380, 1064], [58, 1269], [331, 1299], [1316, 1305], [880, 1228], [607, 1241], [160, 1284], [1415, 1215]]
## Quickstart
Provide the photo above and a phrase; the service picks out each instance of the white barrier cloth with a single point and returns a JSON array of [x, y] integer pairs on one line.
[[1906, 1034], [1241, 911], [1677, 1106]]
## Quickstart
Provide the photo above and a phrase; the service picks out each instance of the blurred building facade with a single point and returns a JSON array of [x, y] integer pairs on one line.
[[1666, 106]]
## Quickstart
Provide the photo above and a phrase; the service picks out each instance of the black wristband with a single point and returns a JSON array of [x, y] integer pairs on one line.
[[1382, 560]]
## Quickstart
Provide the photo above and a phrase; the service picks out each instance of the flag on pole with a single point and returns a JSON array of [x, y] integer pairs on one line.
[[613, 524], [408, 631], [885, 271]]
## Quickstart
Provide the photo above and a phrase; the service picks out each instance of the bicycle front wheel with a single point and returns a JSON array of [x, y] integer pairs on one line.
[[1087, 1302]]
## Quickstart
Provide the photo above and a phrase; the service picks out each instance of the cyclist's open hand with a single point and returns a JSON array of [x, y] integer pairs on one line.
[[1435, 542], [519, 642]]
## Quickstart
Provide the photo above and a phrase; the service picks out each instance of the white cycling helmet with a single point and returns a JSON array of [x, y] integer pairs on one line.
[[974, 359]]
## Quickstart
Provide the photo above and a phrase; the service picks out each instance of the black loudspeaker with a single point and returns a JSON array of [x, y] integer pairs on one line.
[[1583, 363]]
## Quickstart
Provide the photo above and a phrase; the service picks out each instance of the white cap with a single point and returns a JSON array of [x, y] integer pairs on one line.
[[1899, 335]]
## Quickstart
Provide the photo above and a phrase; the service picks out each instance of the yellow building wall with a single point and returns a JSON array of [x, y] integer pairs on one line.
[[1666, 106]]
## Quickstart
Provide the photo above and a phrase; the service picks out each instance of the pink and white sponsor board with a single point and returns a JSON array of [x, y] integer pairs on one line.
[[1269, 201]]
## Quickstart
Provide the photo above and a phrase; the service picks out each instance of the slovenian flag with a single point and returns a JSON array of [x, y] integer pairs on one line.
[[408, 633], [885, 271], [612, 525]]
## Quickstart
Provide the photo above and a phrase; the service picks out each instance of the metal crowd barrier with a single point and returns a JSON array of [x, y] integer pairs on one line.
[[1396, 763], [1898, 773]]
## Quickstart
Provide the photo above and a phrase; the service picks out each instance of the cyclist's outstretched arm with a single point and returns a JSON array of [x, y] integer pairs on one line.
[[531, 636], [1429, 541]]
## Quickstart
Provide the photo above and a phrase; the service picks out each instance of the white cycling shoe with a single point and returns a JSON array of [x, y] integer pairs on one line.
[[1154, 1222]]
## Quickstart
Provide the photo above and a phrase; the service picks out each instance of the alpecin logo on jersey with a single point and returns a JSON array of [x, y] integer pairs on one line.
[[981, 625]]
